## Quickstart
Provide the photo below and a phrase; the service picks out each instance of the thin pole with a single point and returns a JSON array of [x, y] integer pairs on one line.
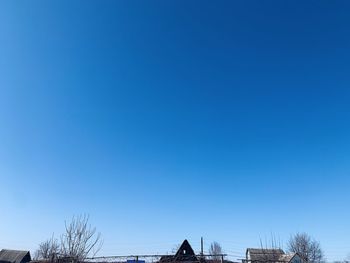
[[202, 246]]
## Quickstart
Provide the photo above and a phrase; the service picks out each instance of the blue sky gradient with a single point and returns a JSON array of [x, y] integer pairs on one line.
[[167, 120]]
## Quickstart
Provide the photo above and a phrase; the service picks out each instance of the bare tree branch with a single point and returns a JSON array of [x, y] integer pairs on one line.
[[215, 250], [80, 240], [48, 249], [306, 247]]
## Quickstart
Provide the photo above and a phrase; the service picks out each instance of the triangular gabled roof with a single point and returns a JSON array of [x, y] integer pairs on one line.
[[185, 250], [184, 254]]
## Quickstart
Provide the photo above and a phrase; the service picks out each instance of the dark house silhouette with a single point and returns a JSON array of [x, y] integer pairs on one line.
[[14, 256], [184, 254]]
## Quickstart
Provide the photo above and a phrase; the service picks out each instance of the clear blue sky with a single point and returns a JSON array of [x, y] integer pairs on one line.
[[167, 120]]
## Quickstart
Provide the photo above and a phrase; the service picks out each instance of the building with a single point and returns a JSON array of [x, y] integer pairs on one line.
[[255, 255], [184, 254], [14, 256]]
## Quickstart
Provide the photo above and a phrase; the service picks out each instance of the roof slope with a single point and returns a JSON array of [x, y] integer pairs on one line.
[[14, 256], [184, 253], [287, 257], [266, 255], [255, 255]]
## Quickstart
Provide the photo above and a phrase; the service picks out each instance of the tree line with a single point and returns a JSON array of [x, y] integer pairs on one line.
[[80, 240]]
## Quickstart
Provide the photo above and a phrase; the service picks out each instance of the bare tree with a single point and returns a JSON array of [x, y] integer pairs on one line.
[[308, 248], [48, 249], [80, 240], [215, 250]]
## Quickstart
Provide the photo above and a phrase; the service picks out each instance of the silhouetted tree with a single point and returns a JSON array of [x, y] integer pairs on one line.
[[80, 240], [48, 249], [215, 250], [308, 248]]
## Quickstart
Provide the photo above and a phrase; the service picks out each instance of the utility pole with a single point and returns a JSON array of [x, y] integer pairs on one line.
[[202, 247]]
